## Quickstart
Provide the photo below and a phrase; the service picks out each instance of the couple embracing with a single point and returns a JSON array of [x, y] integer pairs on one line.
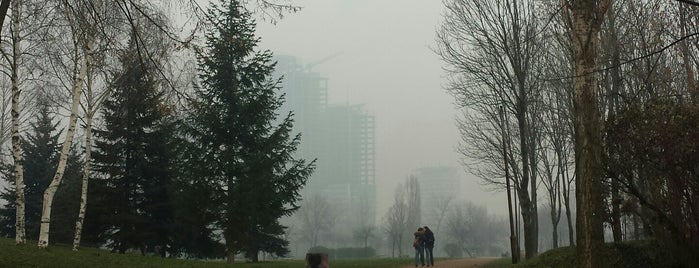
[[424, 244]]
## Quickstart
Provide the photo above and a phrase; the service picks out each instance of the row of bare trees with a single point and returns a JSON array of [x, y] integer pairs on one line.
[[403, 217], [460, 226], [49, 48], [560, 69]]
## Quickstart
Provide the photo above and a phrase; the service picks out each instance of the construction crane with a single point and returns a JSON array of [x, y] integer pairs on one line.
[[323, 60]]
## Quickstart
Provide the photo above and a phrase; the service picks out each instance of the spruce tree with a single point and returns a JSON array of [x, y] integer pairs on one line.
[[40, 148], [245, 153], [132, 158], [67, 200]]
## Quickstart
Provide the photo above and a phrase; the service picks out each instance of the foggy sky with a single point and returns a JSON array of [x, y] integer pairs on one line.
[[382, 58]]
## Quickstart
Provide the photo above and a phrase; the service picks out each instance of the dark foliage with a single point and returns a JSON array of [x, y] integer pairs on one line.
[[654, 154], [132, 162], [630, 254], [40, 150], [244, 149], [66, 204]]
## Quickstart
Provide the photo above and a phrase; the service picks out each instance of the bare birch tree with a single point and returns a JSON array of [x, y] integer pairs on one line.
[[83, 42], [26, 30], [101, 25], [16, 149], [90, 111]]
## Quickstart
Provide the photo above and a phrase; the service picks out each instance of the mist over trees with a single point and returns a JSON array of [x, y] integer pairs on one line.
[[600, 86], [121, 131]]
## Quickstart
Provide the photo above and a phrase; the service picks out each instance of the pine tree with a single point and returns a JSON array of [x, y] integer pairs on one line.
[[132, 157], [245, 154]]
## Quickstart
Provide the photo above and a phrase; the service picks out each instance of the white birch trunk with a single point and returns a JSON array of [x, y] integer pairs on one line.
[[86, 170], [20, 237], [58, 176]]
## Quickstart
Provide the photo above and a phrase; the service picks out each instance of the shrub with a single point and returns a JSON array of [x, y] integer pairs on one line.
[[453, 250]]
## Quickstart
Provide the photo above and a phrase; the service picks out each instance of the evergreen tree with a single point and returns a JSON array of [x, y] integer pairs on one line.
[[244, 154], [132, 159], [67, 200], [40, 150], [196, 236], [8, 195]]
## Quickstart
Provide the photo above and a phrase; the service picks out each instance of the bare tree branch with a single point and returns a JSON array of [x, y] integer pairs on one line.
[[4, 6], [688, 2], [661, 50]]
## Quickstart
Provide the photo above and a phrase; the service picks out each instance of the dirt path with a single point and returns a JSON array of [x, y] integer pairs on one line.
[[460, 263]]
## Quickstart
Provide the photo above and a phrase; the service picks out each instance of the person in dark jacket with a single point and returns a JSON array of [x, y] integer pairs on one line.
[[419, 245], [429, 246]]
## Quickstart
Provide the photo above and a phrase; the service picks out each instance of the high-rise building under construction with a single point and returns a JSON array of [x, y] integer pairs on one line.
[[339, 136]]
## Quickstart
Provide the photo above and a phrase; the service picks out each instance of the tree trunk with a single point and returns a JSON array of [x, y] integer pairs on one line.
[[616, 210], [533, 136], [569, 216], [86, 171], [20, 237], [555, 211], [529, 218], [555, 236], [514, 246], [587, 16], [555, 197], [255, 257], [686, 56], [58, 176], [636, 232], [529, 224], [616, 86], [4, 6], [230, 257]]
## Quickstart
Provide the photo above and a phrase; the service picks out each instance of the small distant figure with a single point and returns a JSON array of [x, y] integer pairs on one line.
[[429, 246], [419, 245], [316, 260]]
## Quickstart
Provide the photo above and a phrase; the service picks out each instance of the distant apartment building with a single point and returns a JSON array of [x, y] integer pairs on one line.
[[340, 136]]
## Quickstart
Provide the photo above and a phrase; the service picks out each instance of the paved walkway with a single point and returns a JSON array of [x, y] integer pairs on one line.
[[460, 263]]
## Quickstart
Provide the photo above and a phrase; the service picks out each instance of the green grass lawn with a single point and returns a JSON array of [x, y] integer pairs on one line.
[[30, 255]]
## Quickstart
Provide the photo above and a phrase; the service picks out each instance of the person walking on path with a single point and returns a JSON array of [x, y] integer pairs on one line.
[[419, 245], [429, 246]]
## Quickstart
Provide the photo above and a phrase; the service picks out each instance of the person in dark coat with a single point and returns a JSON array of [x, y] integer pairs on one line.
[[429, 246], [419, 245]]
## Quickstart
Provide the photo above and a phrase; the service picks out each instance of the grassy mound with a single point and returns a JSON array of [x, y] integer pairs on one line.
[[632, 254]]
